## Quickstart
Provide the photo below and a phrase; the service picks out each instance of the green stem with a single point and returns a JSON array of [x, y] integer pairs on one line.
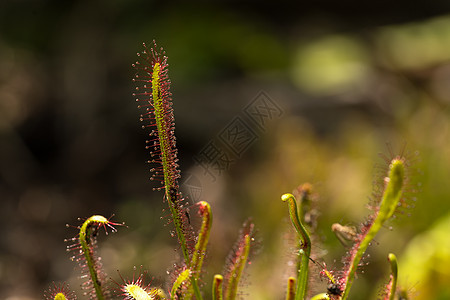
[[200, 247], [217, 293], [290, 293], [237, 269], [305, 246], [394, 272], [203, 238]]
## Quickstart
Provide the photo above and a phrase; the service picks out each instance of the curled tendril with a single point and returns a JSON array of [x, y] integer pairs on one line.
[[305, 246], [85, 254]]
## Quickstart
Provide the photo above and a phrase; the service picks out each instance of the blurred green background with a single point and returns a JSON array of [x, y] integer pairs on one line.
[[349, 77]]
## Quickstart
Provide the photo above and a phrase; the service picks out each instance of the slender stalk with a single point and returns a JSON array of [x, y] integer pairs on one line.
[[217, 293], [238, 268], [200, 248], [290, 293], [203, 237], [238, 259], [394, 272], [305, 246]]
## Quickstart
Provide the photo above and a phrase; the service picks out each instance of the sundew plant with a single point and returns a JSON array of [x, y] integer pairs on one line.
[[188, 279]]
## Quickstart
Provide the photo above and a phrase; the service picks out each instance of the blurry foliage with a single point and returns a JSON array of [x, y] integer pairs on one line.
[[429, 252], [71, 147], [330, 65]]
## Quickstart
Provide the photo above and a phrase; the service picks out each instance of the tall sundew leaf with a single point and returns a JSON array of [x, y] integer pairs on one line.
[[391, 199], [155, 101]]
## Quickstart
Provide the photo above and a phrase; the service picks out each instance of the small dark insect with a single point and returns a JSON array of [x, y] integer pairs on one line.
[[334, 289], [188, 217]]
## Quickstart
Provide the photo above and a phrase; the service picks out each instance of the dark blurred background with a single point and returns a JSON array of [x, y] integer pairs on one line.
[[347, 76]]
